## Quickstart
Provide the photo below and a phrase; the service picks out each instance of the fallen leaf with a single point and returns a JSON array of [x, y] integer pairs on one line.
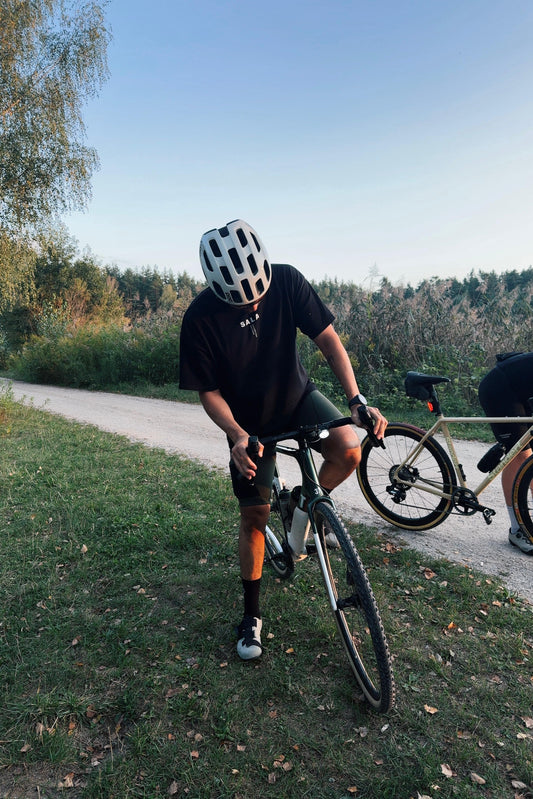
[[477, 779], [67, 782], [447, 771], [83, 549], [25, 748], [430, 709], [173, 788], [527, 721], [352, 789], [518, 784]]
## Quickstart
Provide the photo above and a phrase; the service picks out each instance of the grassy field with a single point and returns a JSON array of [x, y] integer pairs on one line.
[[119, 676]]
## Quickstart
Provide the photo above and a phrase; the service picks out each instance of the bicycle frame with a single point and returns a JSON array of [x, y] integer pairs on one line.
[[311, 489], [442, 426]]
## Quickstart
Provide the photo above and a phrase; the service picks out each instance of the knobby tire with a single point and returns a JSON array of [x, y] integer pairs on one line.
[[523, 497], [356, 612]]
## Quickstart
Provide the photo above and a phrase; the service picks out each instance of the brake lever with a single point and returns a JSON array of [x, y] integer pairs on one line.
[[368, 423]]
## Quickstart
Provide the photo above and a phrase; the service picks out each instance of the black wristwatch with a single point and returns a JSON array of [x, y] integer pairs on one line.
[[357, 400]]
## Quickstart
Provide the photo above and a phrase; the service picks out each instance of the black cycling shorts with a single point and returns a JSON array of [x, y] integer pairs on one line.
[[314, 408], [498, 397]]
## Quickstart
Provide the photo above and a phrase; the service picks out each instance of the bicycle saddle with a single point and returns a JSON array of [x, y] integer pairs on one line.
[[420, 386]]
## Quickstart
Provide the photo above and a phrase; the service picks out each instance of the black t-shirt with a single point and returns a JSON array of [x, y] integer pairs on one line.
[[251, 357]]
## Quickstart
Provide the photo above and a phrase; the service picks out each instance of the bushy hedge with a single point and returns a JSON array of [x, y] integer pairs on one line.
[[96, 358]]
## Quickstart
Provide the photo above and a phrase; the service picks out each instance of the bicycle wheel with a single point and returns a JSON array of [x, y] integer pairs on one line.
[[355, 610], [408, 495], [523, 497], [276, 548]]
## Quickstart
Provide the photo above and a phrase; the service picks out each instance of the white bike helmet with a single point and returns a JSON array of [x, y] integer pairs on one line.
[[235, 263]]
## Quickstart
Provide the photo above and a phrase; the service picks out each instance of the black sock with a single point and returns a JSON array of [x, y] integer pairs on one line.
[[251, 590]]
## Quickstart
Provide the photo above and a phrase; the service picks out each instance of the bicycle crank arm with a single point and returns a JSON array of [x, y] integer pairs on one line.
[[466, 503]]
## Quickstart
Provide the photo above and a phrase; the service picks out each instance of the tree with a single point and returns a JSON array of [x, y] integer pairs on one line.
[[17, 260], [53, 58]]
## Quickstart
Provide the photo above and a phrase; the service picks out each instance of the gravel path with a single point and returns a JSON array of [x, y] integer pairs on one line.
[[182, 428]]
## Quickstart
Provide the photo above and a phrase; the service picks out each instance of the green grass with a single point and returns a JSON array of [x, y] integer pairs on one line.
[[118, 672]]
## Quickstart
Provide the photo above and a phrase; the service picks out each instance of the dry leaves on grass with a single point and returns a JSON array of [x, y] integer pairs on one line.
[[447, 770]]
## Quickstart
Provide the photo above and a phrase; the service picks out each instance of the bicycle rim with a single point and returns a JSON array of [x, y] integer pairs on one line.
[[356, 612], [401, 496], [276, 548], [523, 497]]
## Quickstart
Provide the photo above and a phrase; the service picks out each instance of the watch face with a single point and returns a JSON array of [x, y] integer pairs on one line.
[[357, 400]]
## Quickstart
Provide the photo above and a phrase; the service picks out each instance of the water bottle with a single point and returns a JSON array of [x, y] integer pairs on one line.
[[298, 533]]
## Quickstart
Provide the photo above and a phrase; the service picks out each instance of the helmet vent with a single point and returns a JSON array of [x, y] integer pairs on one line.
[[215, 249], [235, 260], [258, 246], [266, 267], [226, 274], [236, 297], [253, 264], [247, 290], [218, 289], [242, 237], [207, 262], [260, 287]]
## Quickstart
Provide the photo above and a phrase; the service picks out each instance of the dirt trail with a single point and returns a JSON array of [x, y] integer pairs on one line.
[[182, 428]]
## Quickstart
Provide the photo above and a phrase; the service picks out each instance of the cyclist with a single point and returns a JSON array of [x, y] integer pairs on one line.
[[238, 351], [506, 391]]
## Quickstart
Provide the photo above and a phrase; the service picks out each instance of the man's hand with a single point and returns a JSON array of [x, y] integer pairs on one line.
[[246, 466], [380, 423]]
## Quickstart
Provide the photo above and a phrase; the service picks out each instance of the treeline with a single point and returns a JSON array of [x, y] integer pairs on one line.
[[82, 324]]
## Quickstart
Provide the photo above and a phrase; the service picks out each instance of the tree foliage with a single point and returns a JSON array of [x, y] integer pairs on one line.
[[16, 271], [53, 58]]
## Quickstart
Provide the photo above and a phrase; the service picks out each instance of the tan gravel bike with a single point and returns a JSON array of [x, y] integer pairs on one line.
[[416, 483]]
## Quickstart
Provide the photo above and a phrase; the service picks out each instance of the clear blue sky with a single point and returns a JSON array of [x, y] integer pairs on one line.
[[354, 135]]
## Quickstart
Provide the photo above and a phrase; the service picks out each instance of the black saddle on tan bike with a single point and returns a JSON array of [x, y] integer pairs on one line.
[[420, 386]]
